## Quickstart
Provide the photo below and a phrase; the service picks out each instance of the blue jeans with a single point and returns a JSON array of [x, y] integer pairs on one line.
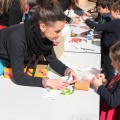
[[2, 65], [108, 68]]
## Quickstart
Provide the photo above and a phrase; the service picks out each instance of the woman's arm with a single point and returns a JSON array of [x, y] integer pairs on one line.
[[16, 51], [54, 63]]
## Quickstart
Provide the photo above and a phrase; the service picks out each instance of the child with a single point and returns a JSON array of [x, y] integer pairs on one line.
[[110, 35], [110, 95], [103, 8], [104, 15]]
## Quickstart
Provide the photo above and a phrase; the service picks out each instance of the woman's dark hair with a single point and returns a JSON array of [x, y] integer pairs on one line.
[[48, 11], [104, 3]]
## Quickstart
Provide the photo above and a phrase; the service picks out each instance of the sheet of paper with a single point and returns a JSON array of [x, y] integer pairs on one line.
[[52, 94]]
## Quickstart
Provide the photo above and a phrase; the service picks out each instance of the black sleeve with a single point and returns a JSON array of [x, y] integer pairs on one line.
[[16, 53], [111, 99], [106, 27], [68, 19], [15, 13], [54, 63], [78, 11]]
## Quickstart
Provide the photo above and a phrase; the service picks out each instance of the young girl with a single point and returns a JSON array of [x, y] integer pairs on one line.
[[11, 12], [110, 95], [19, 42], [110, 35]]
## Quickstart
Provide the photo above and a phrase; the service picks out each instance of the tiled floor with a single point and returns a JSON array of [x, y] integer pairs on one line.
[[86, 5]]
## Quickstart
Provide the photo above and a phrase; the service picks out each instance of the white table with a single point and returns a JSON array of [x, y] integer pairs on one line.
[[77, 47], [27, 103]]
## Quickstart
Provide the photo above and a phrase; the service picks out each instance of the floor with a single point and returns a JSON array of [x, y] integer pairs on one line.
[[86, 5]]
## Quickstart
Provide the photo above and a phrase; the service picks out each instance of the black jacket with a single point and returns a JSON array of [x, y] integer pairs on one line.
[[110, 33], [112, 97], [14, 16], [13, 48]]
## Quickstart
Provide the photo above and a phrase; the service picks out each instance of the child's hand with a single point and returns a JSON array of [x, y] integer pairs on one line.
[[102, 77], [96, 81], [97, 36], [83, 34]]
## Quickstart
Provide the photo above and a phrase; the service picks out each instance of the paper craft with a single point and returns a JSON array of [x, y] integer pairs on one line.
[[76, 40], [38, 72], [67, 78], [53, 94], [87, 76], [84, 85], [83, 68]]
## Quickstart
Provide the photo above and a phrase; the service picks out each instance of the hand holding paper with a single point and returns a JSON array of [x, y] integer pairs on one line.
[[74, 77], [104, 80], [58, 84], [96, 81]]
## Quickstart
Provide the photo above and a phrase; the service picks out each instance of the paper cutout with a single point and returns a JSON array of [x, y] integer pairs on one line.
[[76, 40], [84, 85], [38, 72]]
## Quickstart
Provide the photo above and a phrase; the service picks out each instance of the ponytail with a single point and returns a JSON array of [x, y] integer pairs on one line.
[[48, 11]]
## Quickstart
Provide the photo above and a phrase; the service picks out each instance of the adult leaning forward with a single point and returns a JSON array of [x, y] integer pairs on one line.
[[36, 36]]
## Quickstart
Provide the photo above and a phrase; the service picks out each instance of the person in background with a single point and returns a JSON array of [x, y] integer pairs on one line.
[[36, 37], [104, 14], [103, 8], [72, 4], [110, 35], [11, 12], [110, 95]]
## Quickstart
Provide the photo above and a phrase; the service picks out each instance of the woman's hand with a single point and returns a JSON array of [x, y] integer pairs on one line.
[[74, 76], [58, 84], [87, 14]]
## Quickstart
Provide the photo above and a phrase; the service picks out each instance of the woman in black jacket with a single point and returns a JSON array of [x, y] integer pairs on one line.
[[11, 12], [36, 36]]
